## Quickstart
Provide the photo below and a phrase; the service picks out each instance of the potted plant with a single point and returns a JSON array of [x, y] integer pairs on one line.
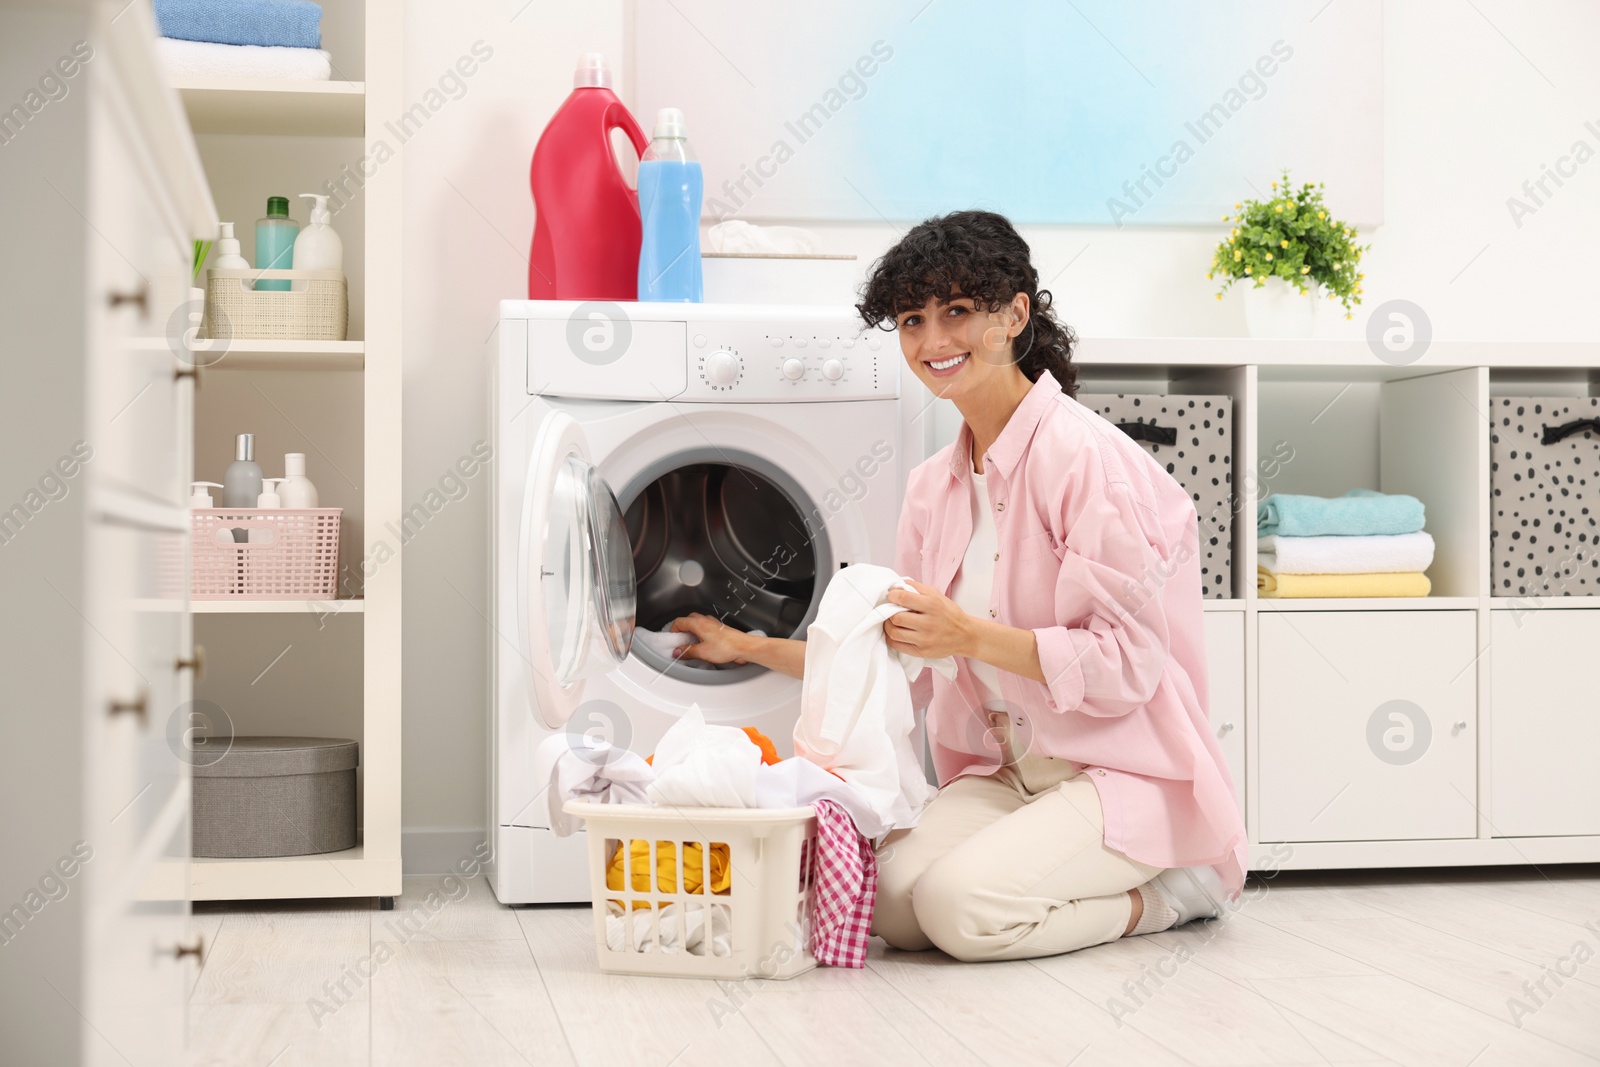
[[1289, 247]]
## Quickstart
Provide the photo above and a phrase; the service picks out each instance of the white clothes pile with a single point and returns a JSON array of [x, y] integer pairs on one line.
[[571, 766], [674, 937]]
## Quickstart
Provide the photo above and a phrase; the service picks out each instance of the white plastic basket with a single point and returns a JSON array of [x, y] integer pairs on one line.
[[288, 554], [315, 307], [759, 928]]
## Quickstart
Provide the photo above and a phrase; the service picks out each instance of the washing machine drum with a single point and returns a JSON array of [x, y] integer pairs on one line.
[[722, 540]]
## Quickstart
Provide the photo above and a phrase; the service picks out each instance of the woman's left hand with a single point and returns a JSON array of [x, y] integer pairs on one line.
[[933, 626]]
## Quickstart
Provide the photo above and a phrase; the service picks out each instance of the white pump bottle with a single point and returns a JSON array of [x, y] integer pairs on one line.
[[318, 247], [228, 257]]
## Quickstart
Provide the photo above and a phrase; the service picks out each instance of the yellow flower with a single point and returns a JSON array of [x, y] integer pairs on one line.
[[1359, 277], [1224, 218], [1236, 231], [1238, 254], [1305, 270], [1283, 244], [1269, 257], [1274, 185], [1236, 207], [1208, 274], [1348, 315], [1278, 208], [1322, 214], [1247, 270], [1219, 296], [1337, 264]]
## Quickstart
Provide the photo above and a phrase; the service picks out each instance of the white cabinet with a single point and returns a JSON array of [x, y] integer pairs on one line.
[[97, 646], [1544, 744], [1225, 675], [1367, 725]]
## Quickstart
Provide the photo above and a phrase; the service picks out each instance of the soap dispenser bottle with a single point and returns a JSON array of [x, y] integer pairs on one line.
[[268, 499], [296, 489], [198, 497], [275, 237], [228, 257], [318, 247], [670, 189]]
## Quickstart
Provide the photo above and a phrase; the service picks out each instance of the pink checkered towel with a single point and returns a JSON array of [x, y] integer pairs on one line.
[[846, 878]]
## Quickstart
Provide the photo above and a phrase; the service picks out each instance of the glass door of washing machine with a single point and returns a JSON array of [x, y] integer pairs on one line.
[[579, 596]]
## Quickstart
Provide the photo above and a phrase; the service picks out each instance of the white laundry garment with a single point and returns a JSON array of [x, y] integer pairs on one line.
[[568, 766], [662, 641], [674, 936], [855, 700], [702, 765], [794, 783]]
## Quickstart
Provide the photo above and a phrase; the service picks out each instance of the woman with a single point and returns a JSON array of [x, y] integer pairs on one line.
[[1083, 797]]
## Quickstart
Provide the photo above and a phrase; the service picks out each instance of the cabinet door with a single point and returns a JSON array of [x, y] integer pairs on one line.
[[1225, 673], [1544, 712], [1367, 725]]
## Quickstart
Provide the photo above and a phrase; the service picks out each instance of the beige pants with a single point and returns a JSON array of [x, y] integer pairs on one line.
[[1007, 866]]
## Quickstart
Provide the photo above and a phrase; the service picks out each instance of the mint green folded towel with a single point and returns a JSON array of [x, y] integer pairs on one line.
[[1360, 511]]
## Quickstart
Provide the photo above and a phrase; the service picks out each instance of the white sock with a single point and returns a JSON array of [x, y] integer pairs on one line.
[[1158, 914]]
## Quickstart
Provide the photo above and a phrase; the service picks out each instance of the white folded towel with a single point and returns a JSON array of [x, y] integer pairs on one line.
[[1355, 554], [200, 59]]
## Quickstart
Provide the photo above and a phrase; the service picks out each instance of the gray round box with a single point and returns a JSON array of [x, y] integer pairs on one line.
[[277, 796]]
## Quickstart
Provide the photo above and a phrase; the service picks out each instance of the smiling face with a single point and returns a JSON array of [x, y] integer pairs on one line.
[[957, 349]]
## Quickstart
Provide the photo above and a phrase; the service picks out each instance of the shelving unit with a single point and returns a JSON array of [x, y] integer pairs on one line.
[[285, 666], [1505, 773]]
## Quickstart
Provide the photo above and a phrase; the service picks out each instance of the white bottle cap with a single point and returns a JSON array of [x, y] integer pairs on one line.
[[592, 72], [227, 243], [269, 494], [294, 465], [199, 498], [669, 123]]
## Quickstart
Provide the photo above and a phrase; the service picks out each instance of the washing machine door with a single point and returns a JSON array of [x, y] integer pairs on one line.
[[575, 572]]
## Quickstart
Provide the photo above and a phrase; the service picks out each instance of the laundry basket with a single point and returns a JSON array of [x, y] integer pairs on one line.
[[757, 926]]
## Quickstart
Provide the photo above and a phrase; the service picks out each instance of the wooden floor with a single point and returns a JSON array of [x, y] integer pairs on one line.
[[1316, 968]]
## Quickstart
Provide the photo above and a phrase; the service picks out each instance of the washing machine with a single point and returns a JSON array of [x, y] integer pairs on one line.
[[652, 460]]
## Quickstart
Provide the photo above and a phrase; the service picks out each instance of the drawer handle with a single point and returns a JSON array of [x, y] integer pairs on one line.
[[1458, 726], [135, 707], [196, 663], [197, 950], [1227, 727], [140, 298]]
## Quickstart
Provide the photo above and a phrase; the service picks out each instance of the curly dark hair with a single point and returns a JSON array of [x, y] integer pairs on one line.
[[981, 254]]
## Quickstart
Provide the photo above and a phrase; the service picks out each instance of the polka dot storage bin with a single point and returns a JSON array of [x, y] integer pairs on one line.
[[1544, 462], [1191, 435], [265, 553]]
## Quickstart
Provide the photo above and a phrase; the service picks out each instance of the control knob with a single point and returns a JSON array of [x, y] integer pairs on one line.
[[722, 367], [833, 370]]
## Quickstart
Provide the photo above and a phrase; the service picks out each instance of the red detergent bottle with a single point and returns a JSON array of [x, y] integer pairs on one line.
[[586, 236]]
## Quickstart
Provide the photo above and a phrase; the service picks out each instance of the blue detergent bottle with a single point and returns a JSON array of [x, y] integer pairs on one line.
[[670, 192], [275, 236]]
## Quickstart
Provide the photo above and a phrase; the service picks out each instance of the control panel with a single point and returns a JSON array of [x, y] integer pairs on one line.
[[790, 361]]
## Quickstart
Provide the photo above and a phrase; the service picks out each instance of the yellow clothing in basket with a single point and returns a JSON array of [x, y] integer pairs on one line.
[[1383, 583], [667, 869]]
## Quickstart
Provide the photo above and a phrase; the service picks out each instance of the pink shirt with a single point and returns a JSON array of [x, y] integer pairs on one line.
[[1099, 557]]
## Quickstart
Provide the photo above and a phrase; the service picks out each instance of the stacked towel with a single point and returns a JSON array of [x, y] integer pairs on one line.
[[1361, 544], [242, 39]]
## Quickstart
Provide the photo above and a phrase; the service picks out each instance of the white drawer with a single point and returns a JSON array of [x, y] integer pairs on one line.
[[139, 270], [1544, 709], [1225, 674], [1367, 725]]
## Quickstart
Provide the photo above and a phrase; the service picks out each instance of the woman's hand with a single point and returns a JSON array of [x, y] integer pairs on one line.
[[717, 641], [933, 625]]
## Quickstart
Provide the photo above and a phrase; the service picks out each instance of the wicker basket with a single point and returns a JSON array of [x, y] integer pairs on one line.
[[316, 307], [286, 553]]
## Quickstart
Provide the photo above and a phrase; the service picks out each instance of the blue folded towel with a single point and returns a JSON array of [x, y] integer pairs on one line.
[[1360, 511], [267, 23]]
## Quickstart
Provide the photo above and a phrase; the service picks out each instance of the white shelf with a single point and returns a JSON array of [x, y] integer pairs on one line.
[[1366, 603], [279, 607], [1540, 601], [265, 106], [351, 873], [1277, 356], [291, 355]]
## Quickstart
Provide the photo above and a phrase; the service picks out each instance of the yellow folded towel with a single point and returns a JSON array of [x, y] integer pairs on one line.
[[1385, 583]]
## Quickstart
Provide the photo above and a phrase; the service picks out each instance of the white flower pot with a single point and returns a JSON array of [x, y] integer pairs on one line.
[[1278, 309]]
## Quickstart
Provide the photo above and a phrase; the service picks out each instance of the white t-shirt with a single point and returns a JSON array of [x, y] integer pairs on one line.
[[974, 582]]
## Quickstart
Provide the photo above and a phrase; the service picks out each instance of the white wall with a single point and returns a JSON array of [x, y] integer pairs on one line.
[[1477, 98]]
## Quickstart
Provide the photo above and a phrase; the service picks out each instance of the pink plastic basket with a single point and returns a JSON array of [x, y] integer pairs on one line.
[[288, 553]]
